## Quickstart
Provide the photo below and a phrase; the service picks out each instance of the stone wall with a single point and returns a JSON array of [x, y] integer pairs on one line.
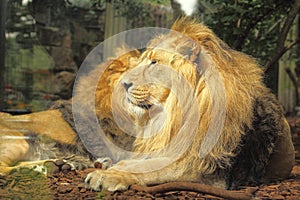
[[70, 33]]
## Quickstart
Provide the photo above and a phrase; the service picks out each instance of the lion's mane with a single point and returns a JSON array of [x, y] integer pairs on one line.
[[242, 78]]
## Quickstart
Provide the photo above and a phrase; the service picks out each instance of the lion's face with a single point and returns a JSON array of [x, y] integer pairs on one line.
[[143, 87], [151, 83]]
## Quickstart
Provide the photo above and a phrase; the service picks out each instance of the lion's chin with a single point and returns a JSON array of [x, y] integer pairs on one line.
[[137, 111]]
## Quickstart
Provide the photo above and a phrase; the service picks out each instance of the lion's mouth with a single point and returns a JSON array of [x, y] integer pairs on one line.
[[145, 106]]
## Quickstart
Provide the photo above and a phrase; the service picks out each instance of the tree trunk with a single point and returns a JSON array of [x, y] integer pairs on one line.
[[115, 23], [3, 7], [177, 12]]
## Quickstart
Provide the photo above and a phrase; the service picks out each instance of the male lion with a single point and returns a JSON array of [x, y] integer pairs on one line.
[[200, 113]]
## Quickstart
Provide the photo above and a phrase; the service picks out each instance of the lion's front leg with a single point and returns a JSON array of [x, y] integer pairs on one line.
[[141, 172], [118, 177]]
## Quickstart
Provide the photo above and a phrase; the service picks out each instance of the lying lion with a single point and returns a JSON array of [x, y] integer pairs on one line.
[[208, 83]]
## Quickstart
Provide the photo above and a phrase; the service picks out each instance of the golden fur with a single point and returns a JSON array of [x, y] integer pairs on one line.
[[243, 82]]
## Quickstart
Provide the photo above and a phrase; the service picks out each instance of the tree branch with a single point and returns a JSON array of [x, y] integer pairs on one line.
[[241, 39], [197, 187], [278, 55], [291, 45], [292, 76], [280, 49]]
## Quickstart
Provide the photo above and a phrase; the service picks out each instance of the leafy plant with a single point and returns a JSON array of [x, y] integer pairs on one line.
[[252, 26]]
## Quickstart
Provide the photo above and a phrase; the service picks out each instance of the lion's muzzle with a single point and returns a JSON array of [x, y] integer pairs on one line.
[[139, 96]]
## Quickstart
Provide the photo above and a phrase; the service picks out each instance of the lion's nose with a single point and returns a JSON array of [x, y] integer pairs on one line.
[[126, 85]]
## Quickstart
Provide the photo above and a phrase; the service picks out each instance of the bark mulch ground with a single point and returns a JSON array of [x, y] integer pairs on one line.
[[29, 184]]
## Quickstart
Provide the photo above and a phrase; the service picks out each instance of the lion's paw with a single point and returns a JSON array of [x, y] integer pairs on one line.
[[109, 180]]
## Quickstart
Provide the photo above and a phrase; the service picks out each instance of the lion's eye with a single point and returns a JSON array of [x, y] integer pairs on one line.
[[153, 62]]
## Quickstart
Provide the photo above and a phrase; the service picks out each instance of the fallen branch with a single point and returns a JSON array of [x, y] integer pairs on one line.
[[197, 187], [280, 47]]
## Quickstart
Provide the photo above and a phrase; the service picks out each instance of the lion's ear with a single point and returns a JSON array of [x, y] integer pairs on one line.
[[195, 52], [204, 63], [190, 52]]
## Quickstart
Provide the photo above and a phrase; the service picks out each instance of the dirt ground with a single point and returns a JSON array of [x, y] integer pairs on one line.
[[29, 184]]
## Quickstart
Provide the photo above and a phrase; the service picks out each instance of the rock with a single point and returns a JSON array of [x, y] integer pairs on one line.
[[50, 36], [63, 59], [64, 84]]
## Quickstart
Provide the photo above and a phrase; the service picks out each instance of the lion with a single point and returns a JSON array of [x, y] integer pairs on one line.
[[199, 112]]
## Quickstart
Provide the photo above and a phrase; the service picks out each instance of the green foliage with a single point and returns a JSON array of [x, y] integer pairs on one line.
[[162, 2], [139, 13], [18, 60], [251, 26]]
